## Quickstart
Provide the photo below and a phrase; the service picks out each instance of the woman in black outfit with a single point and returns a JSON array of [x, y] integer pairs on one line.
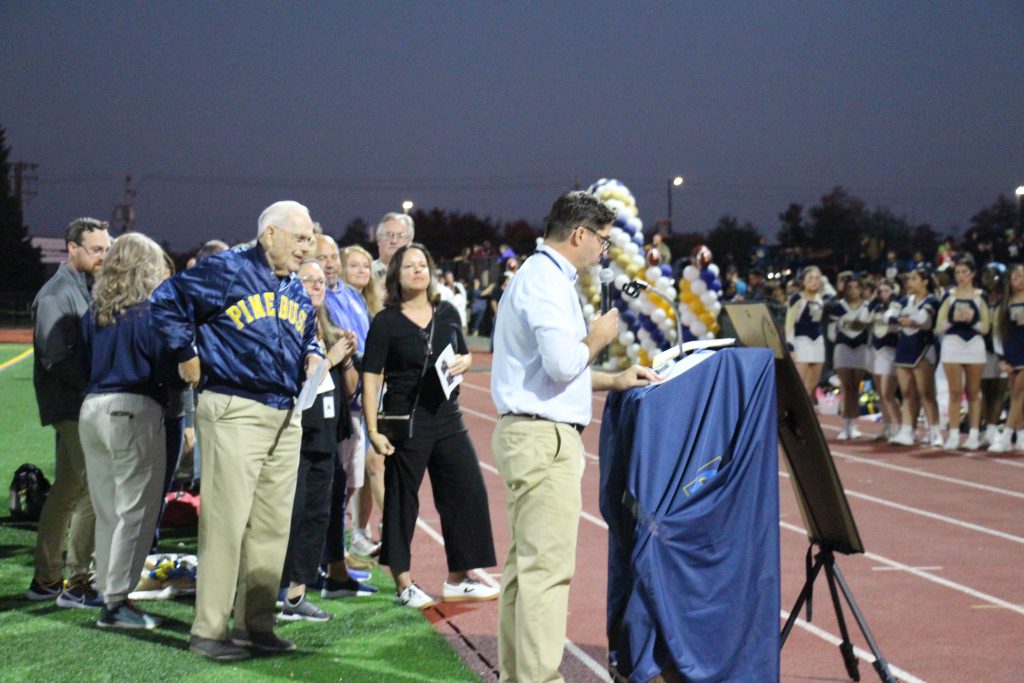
[[402, 346]]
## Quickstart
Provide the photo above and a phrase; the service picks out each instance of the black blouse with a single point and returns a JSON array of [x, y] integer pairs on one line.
[[397, 347]]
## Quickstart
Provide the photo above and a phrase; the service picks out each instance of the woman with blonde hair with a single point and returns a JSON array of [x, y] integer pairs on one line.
[[804, 329], [122, 421]]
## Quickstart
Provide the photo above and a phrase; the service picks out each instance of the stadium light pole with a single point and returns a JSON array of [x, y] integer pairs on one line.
[[677, 182], [1020, 193], [407, 206]]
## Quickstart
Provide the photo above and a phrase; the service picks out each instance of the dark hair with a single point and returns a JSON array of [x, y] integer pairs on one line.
[[392, 281], [80, 226], [925, 273], [1003, 314], [965, 260], [574, 209]]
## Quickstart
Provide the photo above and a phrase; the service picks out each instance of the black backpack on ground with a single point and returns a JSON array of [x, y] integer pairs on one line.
[[28, 493]]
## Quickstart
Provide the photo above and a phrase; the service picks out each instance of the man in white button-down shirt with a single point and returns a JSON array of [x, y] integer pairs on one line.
[[541, 383]]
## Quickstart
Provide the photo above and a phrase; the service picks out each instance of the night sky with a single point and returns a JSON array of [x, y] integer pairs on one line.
[[218, 109]]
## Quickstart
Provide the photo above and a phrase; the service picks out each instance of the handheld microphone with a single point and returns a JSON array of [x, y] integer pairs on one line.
[[606, 276]]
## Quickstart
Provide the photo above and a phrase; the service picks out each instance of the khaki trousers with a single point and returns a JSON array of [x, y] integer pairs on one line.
[[126, 453], [542, 465], [250, 460], [67, 515]]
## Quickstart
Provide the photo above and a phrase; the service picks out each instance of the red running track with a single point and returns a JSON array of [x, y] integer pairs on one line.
[[940, 585]]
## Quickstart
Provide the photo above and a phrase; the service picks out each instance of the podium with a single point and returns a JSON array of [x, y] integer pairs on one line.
[[689, 489]]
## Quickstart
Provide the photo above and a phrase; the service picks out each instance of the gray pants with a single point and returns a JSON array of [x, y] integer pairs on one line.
[[125, 453], [67, 514]]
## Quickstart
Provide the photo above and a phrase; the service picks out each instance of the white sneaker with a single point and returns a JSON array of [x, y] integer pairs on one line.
[[953, 442], [973, 443], [1001, 443], [470, 590], [363, 546], [855, 433], [843, 435], [904, 437], [412, 596], [885, 434], [936, 438]]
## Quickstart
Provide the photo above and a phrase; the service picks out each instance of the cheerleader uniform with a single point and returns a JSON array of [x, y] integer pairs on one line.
[[1013, 340], [915, 344], [851, 336], [992, 370], [803, 329], [884, 334], [963, 342]]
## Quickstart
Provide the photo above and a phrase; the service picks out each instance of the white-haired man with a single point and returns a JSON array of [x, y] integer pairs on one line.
[[244, 322], [394, 231]]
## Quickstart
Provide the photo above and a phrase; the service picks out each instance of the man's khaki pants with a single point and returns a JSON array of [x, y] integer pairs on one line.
[[250, 459], [542, 465], [67, 514]]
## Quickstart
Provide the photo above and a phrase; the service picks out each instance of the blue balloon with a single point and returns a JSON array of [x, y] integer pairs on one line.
[[687, 335], [648, 324], [625, 225], [707, 276], [634, 224], [628, 316], [666, 270], [621, 222], [658, 337], [639, 240], [716, 285]]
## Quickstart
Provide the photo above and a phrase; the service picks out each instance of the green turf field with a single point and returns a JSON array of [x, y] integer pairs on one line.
[[369, 639]]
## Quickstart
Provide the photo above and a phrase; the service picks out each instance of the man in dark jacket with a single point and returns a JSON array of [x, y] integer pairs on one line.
[[60, 388], [245, 321]]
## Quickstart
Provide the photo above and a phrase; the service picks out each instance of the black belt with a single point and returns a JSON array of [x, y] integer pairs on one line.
[[531, 416]]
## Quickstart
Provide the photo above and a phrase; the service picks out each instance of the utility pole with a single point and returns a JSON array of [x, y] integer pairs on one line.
[[25, 179], [124, 213]]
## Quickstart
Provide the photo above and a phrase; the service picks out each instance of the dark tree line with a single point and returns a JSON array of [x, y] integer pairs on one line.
[[20, 262]]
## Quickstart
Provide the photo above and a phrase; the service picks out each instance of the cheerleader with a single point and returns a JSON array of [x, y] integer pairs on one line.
[[963, 322], [915, 357], [1009, 343], [803, 329], [849, 356], [882, 356], [993, 379]]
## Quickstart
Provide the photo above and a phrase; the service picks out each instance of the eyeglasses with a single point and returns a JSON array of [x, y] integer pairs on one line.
[[393, 236], [605, 242], [313, 281], [303, 240]]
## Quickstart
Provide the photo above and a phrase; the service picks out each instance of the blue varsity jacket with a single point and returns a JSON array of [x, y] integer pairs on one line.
[[252, 328]]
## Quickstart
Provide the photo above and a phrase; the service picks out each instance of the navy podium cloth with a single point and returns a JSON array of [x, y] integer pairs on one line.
[[689, 488]]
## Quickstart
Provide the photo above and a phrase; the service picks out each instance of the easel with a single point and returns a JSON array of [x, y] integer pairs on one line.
[[825, 559]]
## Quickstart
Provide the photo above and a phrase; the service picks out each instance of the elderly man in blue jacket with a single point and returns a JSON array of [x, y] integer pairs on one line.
[[242, 323]]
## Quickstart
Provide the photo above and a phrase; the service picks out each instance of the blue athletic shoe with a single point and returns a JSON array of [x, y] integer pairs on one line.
[[80, 596], [359, 575]]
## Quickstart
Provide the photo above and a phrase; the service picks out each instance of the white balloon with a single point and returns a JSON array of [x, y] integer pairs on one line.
[[647, 307], [713, 268], [649, 346], [615, 232], [708, 298], [709, 335], [671, 293], [638, 261], [621, 279], [691, 273], [698, 329], [588, 311], [626, 338], [717, 308], [633, 350], [631, 248], [653, 273], [670, 334], [698, 287], [663, 282], [658, 316], [688, 317], [643, 335]]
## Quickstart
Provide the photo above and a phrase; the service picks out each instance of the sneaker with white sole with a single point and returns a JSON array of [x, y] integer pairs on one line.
[[1001, 443], [855, 433], [126, 615], [972, 443], [347, 589], [469, 590], [843, 435], [39, 591], [414, 597], [79, 596], [904, 437], [303, 610], [363, 546], [952, 442], [935, 440]]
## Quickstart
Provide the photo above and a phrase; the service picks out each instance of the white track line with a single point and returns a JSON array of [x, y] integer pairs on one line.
[[861, 654], [930, 515], [929, 475], [959, 587]]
